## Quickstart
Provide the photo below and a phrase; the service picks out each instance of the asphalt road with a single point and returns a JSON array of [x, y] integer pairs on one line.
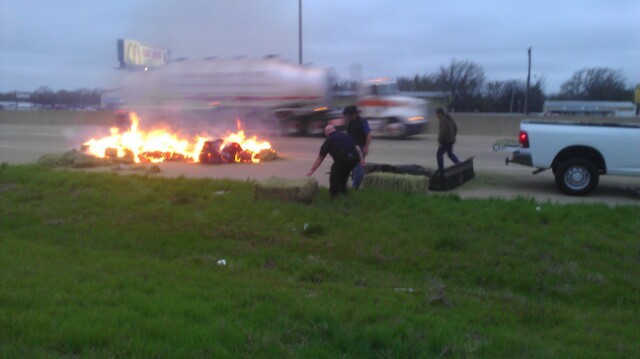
[[24, 143]]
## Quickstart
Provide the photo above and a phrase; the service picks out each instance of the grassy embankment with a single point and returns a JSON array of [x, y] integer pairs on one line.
[[102, 265]]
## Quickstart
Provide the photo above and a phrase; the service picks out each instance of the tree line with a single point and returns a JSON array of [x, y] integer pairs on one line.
[[469, 89], [44, 96], [465, 81]]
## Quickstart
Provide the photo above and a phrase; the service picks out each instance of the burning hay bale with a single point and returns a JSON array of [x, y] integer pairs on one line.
[[160, 144], [217, 152], [396, 182], [292, 190]]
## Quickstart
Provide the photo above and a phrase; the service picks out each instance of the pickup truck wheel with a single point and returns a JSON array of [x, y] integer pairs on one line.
[[576, 176]]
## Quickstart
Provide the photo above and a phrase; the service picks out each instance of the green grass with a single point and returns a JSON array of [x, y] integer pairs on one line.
[[96, 265]]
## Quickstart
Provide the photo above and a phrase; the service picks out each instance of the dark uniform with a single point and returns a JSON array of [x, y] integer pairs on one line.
[[342, 149], [358, 129]]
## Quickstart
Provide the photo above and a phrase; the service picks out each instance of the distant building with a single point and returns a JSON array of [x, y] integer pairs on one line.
[[111, 99], [590, 108], [17, 106]]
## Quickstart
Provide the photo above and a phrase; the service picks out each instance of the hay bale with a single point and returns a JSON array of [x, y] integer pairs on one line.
[[292, 190], [78, 159], [50, 160], [268, 155], [396, 182], [73, 158]]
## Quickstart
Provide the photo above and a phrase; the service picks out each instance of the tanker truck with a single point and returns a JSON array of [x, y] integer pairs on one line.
[[295, 98]]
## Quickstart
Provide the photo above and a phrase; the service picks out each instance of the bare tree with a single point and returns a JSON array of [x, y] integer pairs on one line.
[[509, 96], [426, 82], [44, 95], [504, 96], [598, 83], [465, 81]]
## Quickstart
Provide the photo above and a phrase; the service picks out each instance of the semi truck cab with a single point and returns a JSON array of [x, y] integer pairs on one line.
[[390, 114]]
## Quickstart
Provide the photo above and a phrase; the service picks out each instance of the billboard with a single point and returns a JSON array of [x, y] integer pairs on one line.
[[135, 54], [23, 95]]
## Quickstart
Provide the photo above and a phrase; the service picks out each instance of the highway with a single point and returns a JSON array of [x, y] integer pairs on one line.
[[25, 143]]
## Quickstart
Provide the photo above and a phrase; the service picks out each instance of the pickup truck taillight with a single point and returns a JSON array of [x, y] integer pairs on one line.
[[523, 139]]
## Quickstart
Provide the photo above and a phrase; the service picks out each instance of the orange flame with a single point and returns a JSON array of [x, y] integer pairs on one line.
[[160, 145]]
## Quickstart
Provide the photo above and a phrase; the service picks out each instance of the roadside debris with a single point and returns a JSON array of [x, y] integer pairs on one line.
[[439, 298], [409, 290]]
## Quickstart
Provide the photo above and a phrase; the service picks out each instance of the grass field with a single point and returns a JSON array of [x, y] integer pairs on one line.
[[100, 265]]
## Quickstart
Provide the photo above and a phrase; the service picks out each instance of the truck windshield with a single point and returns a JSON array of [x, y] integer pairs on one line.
[[384, 89]]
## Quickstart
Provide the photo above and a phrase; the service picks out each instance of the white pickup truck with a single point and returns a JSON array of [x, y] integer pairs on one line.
[[577, 152]]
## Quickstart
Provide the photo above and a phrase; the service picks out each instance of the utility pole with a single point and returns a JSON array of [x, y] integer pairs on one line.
[[526, 94], [637, 100], [511, 106], [300, 32]]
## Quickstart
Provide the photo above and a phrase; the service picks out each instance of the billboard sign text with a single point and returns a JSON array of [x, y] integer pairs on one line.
[[133, 53]]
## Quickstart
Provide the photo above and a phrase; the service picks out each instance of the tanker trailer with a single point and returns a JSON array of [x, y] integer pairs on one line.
[[297, 98]]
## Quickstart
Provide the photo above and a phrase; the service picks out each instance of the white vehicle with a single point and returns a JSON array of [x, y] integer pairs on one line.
[[298, 96], [388, 113], [578, 153]]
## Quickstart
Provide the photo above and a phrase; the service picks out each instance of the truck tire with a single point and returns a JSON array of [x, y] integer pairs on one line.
[[292, 127], [577, 176], [394, 129], [315, 127]]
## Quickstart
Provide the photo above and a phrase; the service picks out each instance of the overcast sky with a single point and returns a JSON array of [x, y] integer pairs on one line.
[[70, 44]]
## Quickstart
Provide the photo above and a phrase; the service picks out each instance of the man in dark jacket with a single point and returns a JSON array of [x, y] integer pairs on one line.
[[446, 138], [346, 155], [358, 129]]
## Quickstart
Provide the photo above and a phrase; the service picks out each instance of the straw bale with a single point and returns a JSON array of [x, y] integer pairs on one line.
[[77, 159], [292, 190], [396, 182], [50, 160], [73, 158], [268, 155]]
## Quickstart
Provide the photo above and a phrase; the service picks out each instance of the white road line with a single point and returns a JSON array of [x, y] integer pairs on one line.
[[46, 134], [33, 147]]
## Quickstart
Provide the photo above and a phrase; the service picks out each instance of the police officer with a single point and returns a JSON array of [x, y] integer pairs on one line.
[[346, 155], [358, 129]]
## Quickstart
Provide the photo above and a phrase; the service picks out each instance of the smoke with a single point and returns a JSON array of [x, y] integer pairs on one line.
[[211, 124], [212, 29]]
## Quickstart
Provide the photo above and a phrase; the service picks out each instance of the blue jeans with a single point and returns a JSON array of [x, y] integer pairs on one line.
[[448, 149], [357, 175]]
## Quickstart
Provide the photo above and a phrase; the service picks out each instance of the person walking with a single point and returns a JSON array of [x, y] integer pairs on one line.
[[358, 128], [346, 155], [446, 138]]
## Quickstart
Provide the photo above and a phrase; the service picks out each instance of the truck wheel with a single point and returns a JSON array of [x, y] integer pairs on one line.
[[291, 127], [315, 127], [394, 129], [577, 176]]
